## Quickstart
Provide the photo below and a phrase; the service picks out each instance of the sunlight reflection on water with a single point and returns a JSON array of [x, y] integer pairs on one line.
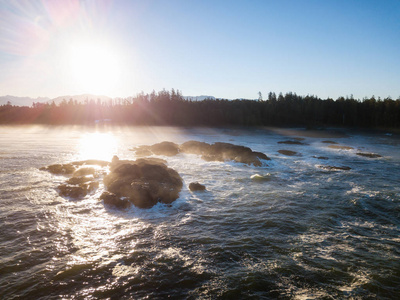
[[97, 146]]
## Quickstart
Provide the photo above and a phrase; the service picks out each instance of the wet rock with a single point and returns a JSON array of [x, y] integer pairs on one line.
[[287, 152], [113, 200], [60, 169], [340, 147], [143, 182], [77, 191], [84, 171], [295, 142], [195, 147], [79, 180], [231, 152], [260, 178], [329, 142], [369, 155], [195, 186], [320, 157], [165, 148], [335, 168]]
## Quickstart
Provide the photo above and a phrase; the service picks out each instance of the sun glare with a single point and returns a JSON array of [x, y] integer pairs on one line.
[[97, 146], [95, 67]]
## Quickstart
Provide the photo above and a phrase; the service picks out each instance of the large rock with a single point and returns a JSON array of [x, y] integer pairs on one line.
[[143, 182], [195, 147], [163, 148], [226, 152]]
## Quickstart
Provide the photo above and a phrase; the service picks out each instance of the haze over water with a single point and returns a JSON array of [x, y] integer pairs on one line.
[[295, 231]]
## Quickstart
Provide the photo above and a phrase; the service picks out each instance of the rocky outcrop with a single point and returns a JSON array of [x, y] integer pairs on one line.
[[195, 186], [230, 152], [143, 182], [320, 157], [163, 148], [335, 168], [289, 142], [209, 152], [340, 147], [287, 152], [369, 155]]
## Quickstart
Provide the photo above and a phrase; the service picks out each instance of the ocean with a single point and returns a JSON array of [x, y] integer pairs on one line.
[[320, 220]]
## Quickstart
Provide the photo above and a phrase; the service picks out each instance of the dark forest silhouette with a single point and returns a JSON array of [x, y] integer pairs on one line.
[[172, 109]]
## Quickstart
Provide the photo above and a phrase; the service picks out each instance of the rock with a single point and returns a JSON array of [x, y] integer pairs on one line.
[[226, 151], [165, 148], [60, 169], [77, 191], [84, 171], [334, 168], [195, 147], [329, 142], [287, 152], [195, 186], [113, 200], [143, 182], [369, 155], [78, 180], [292, 142], [340, 147], [320, 157]]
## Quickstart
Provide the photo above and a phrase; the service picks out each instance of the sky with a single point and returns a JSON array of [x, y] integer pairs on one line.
[[226, 49]]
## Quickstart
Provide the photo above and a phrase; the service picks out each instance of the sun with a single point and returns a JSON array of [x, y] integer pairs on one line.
[[95, 67], [97, 146]]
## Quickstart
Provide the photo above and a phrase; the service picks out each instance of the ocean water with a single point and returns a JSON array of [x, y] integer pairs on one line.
[[289, 229]]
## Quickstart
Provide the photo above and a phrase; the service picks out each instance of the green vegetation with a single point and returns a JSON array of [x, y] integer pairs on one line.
[[171, 108]]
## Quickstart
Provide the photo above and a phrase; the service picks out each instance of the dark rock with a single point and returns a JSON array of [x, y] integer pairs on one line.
[[287, 152], [165, 148], [195, 186], [84, 171], [334, 168], [143, 182], [114, 200], [226, 151], [340, 147], [292, 142], [329, 142], [78, 180], [369, 155], [195, 147], [60, 169], [72, 191], [320, 157]]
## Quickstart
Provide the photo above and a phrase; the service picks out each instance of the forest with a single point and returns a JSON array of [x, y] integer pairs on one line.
[[170, 108]]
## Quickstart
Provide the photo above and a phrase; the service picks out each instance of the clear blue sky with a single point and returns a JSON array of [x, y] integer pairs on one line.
[[227, 49]]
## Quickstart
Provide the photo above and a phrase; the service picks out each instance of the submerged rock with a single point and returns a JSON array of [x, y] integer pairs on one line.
[[77, 191], [340, 147], [143, 182], [335, 168], [195, 186], [369, 155], [287, 152], [329, 142], [320, 157], [295, 142], [60, 169]]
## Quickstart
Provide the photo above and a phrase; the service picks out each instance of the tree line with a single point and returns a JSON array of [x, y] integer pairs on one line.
[[170, 108]]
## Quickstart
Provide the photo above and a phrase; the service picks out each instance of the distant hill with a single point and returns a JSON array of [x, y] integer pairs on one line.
[[21, 101]]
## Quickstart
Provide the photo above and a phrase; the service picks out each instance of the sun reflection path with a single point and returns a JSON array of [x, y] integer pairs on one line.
[[97, 146]]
